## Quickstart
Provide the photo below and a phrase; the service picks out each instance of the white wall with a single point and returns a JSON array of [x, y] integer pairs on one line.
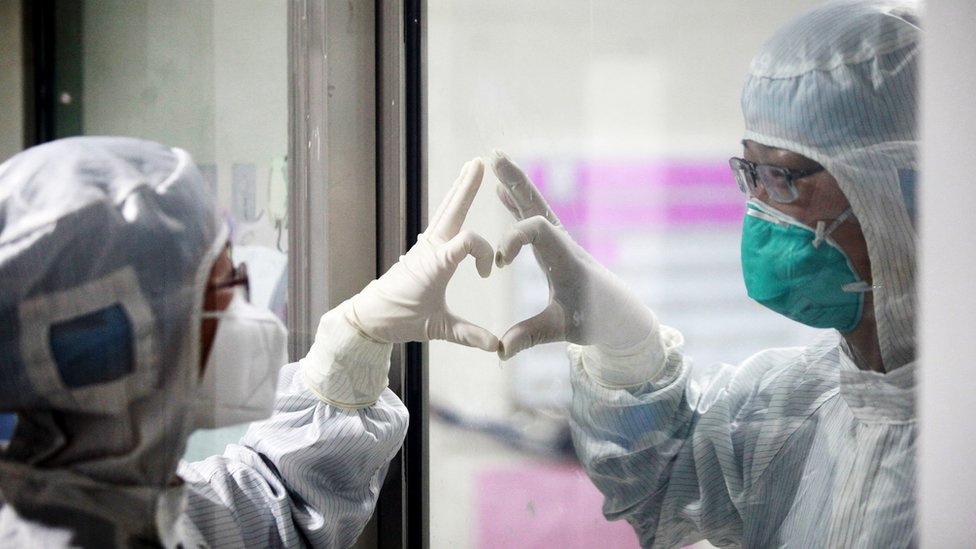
[[947, 453]]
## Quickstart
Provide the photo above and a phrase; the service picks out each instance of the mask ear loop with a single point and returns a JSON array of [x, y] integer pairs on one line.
[[860, 286], [821, 233]]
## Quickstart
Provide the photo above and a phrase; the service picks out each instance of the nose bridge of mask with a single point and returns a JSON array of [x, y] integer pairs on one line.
[[821, 233]]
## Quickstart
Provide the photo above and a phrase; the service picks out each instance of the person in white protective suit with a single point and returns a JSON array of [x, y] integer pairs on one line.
[[795, 447], [124, 326]]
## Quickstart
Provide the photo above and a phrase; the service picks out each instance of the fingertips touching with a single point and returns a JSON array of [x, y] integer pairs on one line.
[[476, 169], [499, 260], [509, 346], [472, 335], [505, 169], [509, 247]]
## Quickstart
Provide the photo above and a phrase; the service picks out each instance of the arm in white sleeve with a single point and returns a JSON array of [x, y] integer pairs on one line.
[[309, 475], [630, 367], [344, 367], [705, 453], [641, 447]]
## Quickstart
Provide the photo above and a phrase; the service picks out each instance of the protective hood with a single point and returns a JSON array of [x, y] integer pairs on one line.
[[838, 85], [105, 247]]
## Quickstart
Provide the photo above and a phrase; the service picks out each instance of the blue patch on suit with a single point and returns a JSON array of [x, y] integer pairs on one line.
[[93, 348]]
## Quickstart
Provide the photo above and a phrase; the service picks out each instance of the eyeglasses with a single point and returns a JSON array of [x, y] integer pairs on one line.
[[238, 277], [779, 182]]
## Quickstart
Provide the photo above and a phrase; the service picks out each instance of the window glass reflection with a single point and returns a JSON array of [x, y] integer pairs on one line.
[[625, 116], [192, 75]]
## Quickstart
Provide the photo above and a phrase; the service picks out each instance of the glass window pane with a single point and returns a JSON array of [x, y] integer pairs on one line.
[[192, 75], [625, 115], [209, 77]]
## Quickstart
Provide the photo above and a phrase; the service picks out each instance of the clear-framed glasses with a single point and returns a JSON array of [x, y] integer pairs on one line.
[[238, 277], [779, 182]]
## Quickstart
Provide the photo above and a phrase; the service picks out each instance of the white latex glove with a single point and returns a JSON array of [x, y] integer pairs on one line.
[[349, 362], [408, 303], [588, 305]]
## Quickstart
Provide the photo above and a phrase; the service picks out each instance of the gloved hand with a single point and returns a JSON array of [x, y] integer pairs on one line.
[[588, 304], [348, 364], [408, 303]]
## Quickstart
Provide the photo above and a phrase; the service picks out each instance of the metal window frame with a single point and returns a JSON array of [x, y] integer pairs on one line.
[[52, 32], [357, 200]]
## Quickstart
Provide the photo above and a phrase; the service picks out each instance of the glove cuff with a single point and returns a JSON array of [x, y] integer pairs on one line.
[[352, 317], [622, 368], [344, 367]]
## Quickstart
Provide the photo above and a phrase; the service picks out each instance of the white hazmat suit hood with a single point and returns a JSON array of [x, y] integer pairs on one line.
[[838, 86], [106, 244]]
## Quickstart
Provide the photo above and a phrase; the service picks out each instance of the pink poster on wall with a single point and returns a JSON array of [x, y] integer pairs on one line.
[[600, 201]]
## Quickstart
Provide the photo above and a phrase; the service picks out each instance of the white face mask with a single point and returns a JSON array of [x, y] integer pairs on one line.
[[241, 373]]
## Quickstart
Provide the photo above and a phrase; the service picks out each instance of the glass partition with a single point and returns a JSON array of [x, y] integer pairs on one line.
[[625, 115]]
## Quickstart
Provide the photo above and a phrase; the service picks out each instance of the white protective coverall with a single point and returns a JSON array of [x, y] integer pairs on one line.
[[795, 447], [106, 245]]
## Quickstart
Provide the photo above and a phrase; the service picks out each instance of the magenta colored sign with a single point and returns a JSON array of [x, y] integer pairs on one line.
[[605, 200], [539, 506]]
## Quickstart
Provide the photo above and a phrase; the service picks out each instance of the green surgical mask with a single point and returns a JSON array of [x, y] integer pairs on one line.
[[800, 272]]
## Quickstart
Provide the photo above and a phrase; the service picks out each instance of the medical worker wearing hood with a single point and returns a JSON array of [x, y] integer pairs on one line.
[[795, 447], [124, 326]]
